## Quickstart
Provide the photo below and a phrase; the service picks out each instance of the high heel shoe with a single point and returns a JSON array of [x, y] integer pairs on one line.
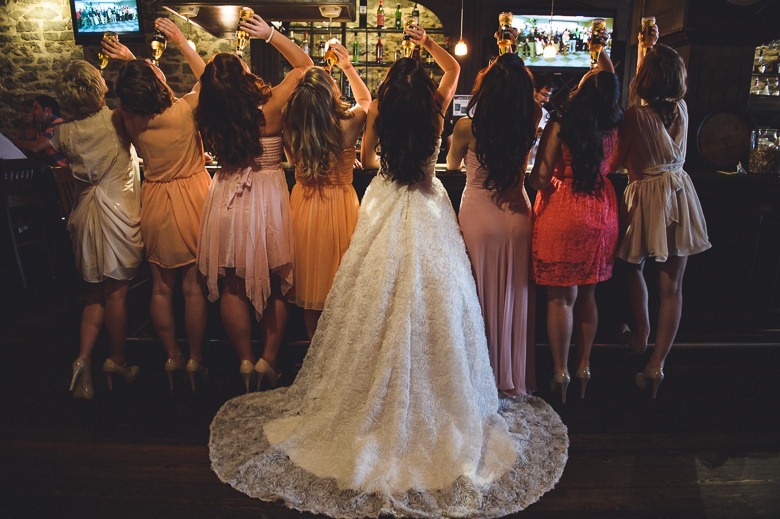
[[583, 374], [82, 375], [654, 374], [561, 379], [626, 336], [193, 368], [247, 369], [129, 373], [172, 366], [265, 371]]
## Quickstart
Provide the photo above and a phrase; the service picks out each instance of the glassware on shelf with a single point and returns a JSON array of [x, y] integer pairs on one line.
[[242, 37], [764, 154], [102, 56], [159, 43]]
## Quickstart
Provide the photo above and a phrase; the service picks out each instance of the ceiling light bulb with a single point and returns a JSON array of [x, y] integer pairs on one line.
[[461, 49]]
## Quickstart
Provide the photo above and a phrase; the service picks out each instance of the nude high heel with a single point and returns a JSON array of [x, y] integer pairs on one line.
[[172, 366], [265, 371], [583, 374], [247, 369], [654, 374], [561, 379], [193, 368], [129, 373], [81, 381]]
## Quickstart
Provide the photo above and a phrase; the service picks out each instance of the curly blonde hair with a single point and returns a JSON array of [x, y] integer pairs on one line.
[[312, 124], [81, 90]]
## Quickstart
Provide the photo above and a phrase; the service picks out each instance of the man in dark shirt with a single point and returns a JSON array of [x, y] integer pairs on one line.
[[46, 111]]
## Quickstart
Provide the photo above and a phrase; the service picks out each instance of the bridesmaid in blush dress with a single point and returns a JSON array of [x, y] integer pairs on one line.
[[575, 231], [495, 214], [246, 246], [320, 136]]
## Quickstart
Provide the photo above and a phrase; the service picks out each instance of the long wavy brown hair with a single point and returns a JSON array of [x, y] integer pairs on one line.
[[312, 124], [660, 81], [406, 127], [140, 91], [229, 113], [503, 109]]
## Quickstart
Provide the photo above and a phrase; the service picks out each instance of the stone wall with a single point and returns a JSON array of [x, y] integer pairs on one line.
[[36, 42]]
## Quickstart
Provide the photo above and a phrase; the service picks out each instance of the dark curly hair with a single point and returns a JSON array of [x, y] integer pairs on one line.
[[503, 107], [140, 91], [406, 127], [593, 111], [229, 115], [660, 81]]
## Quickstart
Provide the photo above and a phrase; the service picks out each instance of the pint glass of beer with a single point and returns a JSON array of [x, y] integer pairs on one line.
[[331, 58], [242, 37], [596, 40], [102, 56], [504, 33]]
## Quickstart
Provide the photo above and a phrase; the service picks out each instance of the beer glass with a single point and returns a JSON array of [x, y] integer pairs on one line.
[[242, 37], [159, 43], [331, 58], [102, 56], [648, 22], [504, 33], [407, 45], [596, 41]]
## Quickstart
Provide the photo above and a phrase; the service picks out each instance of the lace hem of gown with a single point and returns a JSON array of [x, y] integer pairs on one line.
[[242, 457]]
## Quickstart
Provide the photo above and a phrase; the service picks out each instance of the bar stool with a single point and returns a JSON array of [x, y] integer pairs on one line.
[[20, 195]]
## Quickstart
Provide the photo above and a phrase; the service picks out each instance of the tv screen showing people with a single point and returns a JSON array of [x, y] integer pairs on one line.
[[120, 16], [558, 42]]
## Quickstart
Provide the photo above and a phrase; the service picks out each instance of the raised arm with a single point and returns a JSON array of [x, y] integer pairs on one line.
[[461, 137], [359, 88], [451, 68], [368, 154], [645, 43], [546, 157], [259, 28], [175, 36]]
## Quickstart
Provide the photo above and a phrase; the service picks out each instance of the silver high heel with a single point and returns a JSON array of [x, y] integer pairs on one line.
[[583, 374], [655, 374], [561, 379], [82, 375], [265, 371], [193, 368], [172, 366], [247, 369], [129, 373]]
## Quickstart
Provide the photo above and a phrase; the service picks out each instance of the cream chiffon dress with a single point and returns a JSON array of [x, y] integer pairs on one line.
[[395, 410]]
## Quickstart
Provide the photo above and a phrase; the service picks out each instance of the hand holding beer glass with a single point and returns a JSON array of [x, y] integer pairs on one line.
[[242, 36], [504, 36], [648, 36], [331, 53], [407, 45], [102, 56], [598, 38]]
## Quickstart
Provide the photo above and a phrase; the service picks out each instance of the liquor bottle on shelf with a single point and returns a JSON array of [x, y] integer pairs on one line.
[[355, 49], [305, 43], [380, 49], [398, 15], [380, 16], [293, 38], [416, 14], [321, 47]]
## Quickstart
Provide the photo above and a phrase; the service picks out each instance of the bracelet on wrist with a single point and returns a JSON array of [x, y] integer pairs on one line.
[[271, 35]]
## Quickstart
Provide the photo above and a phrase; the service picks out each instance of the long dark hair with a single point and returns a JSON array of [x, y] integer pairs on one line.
[[503, 120], [140, 91], [406, 125], [660, 81], [229, 115], [312, 124], [593, 111]]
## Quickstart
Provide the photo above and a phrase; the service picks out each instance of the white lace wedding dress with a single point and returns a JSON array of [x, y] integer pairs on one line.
[[395, 410]]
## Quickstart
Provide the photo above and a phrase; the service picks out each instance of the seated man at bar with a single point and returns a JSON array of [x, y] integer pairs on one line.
[[46, 111]]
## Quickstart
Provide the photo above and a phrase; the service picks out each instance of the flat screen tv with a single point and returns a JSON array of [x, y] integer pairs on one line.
[[92, 19], [567, 33]]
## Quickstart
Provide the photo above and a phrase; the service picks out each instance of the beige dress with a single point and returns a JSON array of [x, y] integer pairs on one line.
[[105, 223], [661, 215], [175, 183]]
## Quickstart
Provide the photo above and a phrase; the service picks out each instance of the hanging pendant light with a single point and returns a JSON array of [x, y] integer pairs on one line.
[[550, 50], [461, 49]]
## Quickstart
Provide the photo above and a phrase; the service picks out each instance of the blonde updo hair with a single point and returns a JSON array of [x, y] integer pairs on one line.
[[81, 90]]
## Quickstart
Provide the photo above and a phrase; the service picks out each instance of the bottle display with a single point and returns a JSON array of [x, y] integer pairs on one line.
[[305, 43], [379, 49], [355, 49], [380, 16], [321, 48], [416, 14], [398, 15]]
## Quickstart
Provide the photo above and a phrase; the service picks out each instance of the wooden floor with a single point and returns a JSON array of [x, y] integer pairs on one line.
[[707, 447]]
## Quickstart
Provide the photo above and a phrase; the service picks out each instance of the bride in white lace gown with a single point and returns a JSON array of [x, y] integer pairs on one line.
[[395, 410]]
